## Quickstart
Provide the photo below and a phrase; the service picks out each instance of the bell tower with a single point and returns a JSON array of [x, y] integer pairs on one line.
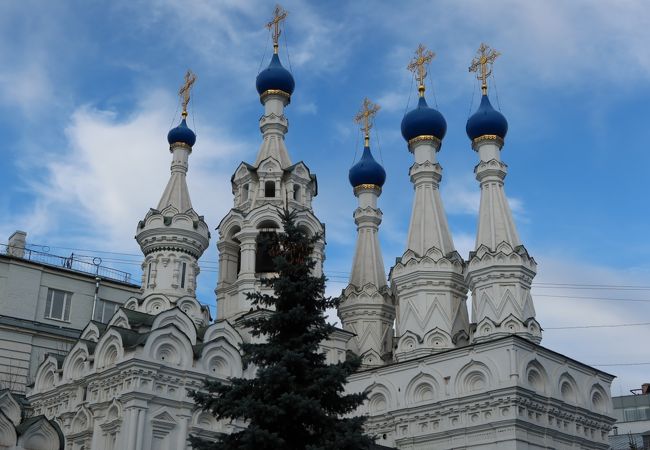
[[260, 191]]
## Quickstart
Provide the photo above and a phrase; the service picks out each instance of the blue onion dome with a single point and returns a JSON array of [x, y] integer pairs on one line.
[[182, 133], [275, 77], [486, 121], [367, 171], [423, 121]]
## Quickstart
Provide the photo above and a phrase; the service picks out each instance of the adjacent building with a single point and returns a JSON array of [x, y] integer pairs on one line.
[[45, 302], [632, 413]]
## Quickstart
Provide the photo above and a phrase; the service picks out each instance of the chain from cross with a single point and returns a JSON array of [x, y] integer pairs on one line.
[[365, 116], [482, 64], [184, 91], [419, 63], [279, 15]]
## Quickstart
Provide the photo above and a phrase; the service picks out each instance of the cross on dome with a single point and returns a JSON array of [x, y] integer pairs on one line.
[[184, 91], [418, 65], [482, 64], [365, 117], [279, 15]]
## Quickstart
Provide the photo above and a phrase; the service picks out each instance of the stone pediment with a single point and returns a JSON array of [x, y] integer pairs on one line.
[[504, 254], [224, 329], [92, 331], [492, 164], [78, 359], [509, 325], [244, 170], [82, 421], [119, 319], [169, 211], [269, 165], [39, 433], [198, 313], [368, 290], [219, 357], [10, 406], [164, 416], [7, 431], [169, 345], [235, 217], [180, 319], [433, 260], [300, 170]]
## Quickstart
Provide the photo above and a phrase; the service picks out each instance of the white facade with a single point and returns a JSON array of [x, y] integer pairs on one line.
[[507, 393]]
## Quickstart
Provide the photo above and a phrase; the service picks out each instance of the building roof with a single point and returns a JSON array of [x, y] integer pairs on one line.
[[39, 327], [76, 267]]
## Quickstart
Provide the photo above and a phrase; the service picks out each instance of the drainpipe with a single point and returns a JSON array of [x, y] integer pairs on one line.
[[97, 280]]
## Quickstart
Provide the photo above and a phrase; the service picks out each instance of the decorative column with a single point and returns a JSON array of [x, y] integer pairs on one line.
[[183, 427], [140, 430], [500, 270]]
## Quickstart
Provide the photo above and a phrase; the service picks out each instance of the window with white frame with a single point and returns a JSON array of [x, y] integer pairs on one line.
[[104, 310], [57, 305]]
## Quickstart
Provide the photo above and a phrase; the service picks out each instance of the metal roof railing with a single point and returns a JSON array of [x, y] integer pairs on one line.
[[78, 263]]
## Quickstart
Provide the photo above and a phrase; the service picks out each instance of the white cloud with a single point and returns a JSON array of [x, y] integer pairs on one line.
[[307, 108], [392, 102], [115, 169], [28, 89], [461, 195]]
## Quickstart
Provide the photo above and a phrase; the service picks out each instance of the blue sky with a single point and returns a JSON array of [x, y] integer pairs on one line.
[[88, 93]]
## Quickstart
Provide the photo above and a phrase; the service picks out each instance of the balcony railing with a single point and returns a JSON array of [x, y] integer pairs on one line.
[[78, 263]]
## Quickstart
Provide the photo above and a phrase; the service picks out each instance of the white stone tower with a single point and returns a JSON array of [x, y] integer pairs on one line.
[[500, 270], [261, 191], [367, 308], [173, 236], [428, 280]]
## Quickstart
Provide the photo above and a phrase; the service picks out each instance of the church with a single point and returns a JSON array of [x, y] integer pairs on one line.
[[437, 376]]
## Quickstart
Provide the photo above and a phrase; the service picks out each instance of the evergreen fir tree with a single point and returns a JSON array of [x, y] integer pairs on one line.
[[296, 401]]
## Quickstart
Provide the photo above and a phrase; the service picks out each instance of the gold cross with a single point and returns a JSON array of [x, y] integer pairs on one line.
[[365, 116], [184, 91], [482, 64], [279, 15], [418, 65]]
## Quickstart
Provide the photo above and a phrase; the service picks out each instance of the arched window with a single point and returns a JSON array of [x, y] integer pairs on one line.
[[244, 192], [263, 257], [296, 192], [269, 189]]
